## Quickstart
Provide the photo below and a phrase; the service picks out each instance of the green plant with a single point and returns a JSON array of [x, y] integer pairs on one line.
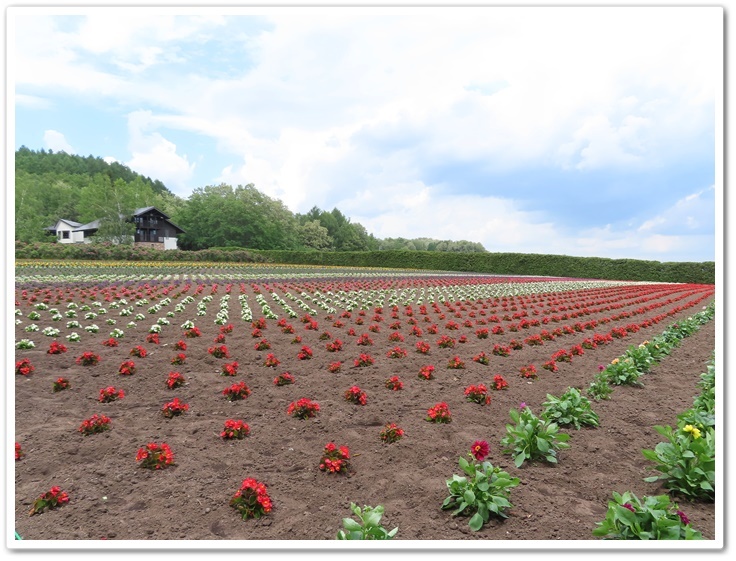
[[369, 527], [641, 357], [623, 373], [653, 518], [485, 490], [532, 438], [570, 408], [600, 388], [687, 460]]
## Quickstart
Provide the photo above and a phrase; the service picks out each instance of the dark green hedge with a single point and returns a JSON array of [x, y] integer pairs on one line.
[[508, 264], [496, 263]]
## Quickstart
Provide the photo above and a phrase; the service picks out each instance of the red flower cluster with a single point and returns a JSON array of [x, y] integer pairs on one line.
[[391, 433], [303, 408], [56, 348], [220, 338], [219, 352], [446, 342], [251, 500], [283, 379], [335, 367], [51, 499], [456, 363], [364, 360], [18, 451], [24, 367], [439, 413], [271, 361], [528, 371], [193, 332], [335, 346], [427, 372], [96, 423], [262, 345], [481, 358], [111, 342], [174, 408], [501, 350], [226, 328], [396, 352], [334, 459], [260, 323], [364, 340], [155, 456], [550, 365], [86, 359], [423, 347], [356, 395], [174, 380], [235, 430], [394, 384], [515, 344], [562, 356], [153, 338], [396, 337], [478, 394], [229, 369], [236, 392], [325, 336], [180, 345], [179, 359], [127, 368], [61, 384], [305, 353], [499, 383], [110, 394]]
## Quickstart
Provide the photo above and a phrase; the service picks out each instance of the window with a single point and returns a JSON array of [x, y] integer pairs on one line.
[[65, 234]]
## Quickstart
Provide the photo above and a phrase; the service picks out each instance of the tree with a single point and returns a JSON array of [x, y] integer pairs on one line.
[[315, 236]]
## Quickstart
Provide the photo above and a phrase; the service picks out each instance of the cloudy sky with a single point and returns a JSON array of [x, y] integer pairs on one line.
[[578, 131]]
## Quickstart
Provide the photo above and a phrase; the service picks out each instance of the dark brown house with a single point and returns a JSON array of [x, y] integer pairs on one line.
[[152, 228]]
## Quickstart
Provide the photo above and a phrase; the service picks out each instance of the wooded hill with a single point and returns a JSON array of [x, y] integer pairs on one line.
[[52, 185]]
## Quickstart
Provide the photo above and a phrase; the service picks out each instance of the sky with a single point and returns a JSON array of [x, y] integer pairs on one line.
[[586, 131]]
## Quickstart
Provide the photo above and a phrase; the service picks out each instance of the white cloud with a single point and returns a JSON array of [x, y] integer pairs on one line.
[[692, 213], [155, 156], [56, 141]]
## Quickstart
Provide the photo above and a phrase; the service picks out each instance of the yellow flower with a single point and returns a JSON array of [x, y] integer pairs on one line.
[[614, 361], [694, 431]]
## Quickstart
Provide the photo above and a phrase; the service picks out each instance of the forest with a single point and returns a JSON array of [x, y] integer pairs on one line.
[[52, 185]]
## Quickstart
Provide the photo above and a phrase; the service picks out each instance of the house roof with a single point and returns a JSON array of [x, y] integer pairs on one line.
[[95, 224], [71, 223]]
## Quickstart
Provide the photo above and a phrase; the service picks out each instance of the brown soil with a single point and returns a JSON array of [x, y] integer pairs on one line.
[[112, 498]]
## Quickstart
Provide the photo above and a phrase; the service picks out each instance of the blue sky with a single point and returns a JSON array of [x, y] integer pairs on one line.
[[577, 131]]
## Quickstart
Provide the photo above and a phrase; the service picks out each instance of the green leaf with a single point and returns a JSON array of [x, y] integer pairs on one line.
[[476, 522], [519, 459], [351, 525], [469, 497]]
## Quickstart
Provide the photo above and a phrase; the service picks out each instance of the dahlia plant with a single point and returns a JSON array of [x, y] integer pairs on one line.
[[439, 413], [174, 408], [394, 384], [175, 380], [356, 395], [236, 392]]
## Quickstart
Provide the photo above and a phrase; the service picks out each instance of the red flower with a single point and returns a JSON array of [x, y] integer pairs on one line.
[[24, 367], [235, 430], [479, 450], [180, 345], [174, 380]]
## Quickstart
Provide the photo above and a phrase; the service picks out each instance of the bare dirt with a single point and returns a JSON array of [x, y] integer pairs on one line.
[[113, 498]]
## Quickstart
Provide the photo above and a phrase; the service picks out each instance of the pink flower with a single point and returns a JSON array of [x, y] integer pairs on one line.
[[479, 449]]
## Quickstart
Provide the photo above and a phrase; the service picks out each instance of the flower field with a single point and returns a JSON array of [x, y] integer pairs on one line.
[[257, 402]]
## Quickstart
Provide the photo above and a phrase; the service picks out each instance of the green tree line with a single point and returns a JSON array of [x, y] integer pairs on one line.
[[50, 186]]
